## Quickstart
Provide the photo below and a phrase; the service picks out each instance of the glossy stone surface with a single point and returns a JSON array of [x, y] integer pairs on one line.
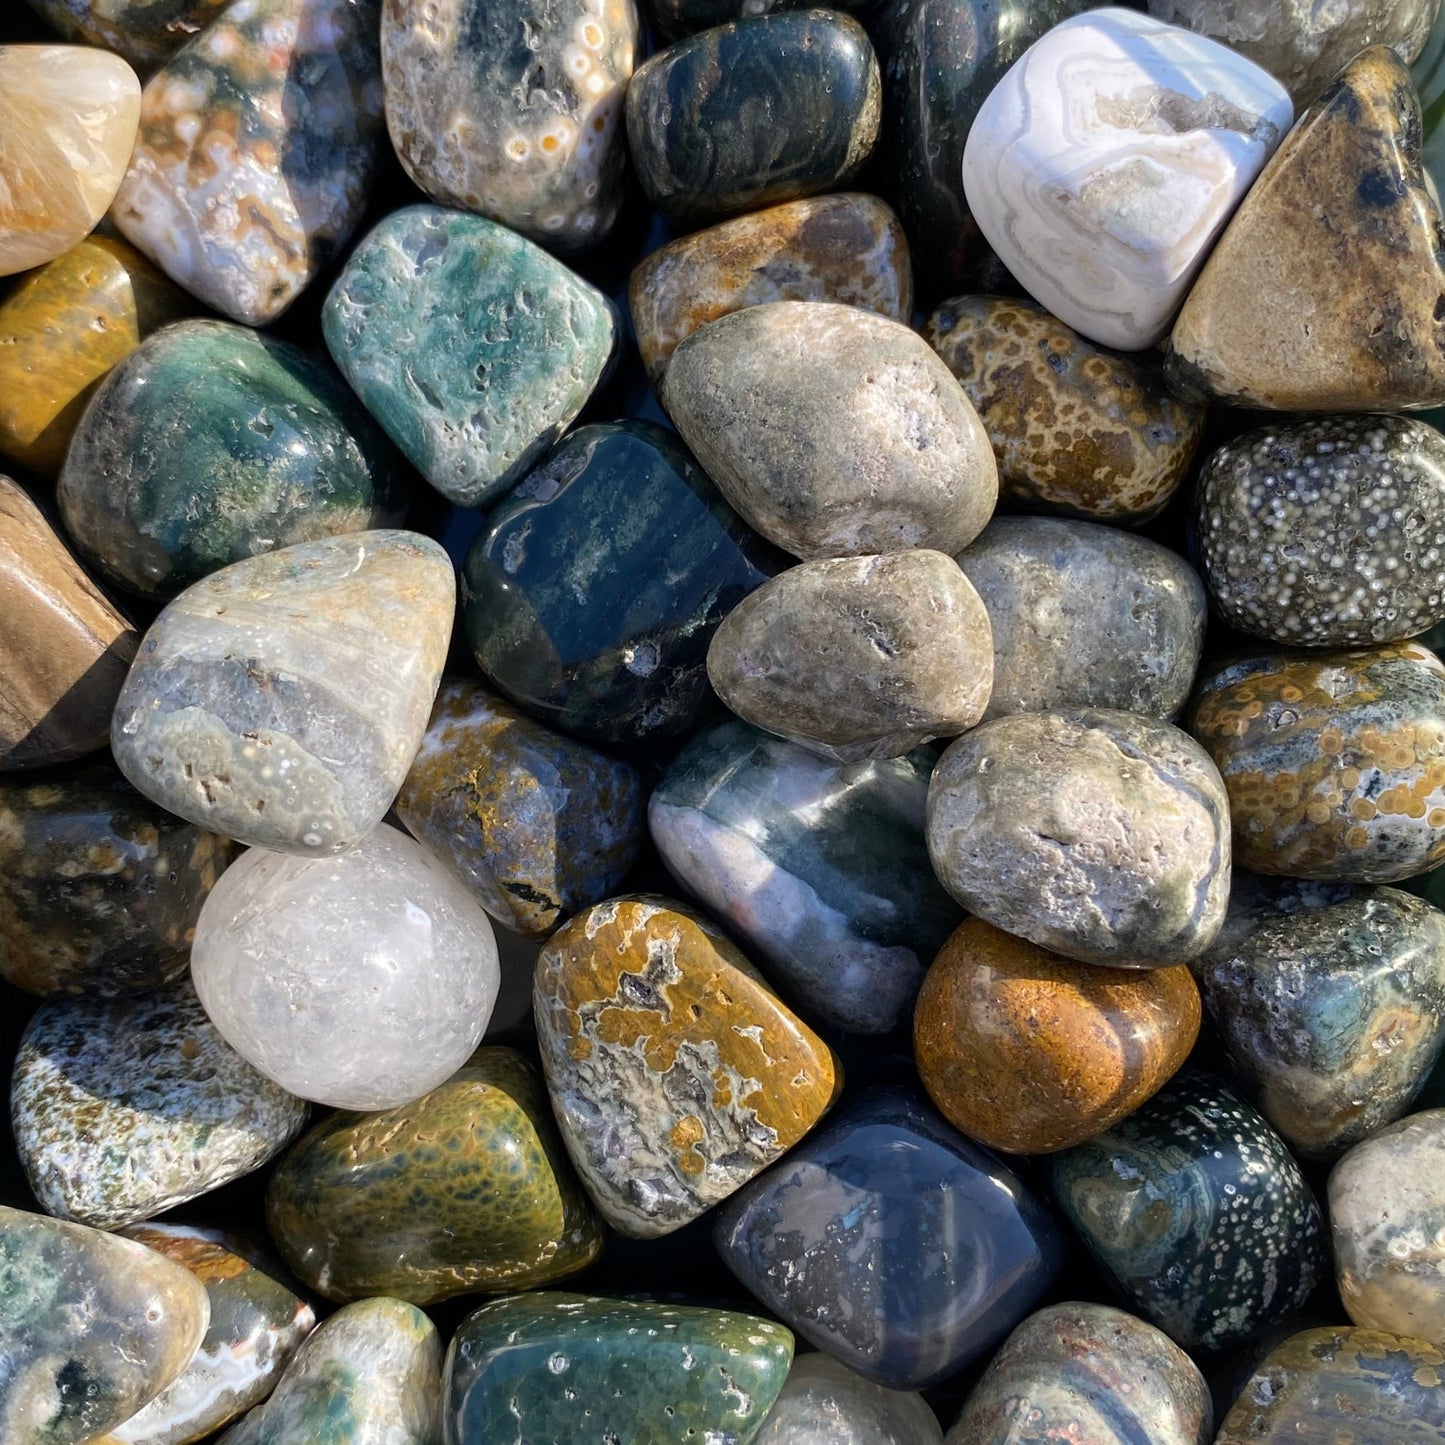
[[858, 657], [466, 1190], [1198, 1212], [848, 249], [61, 330], [819, 867], [95, 1328], [472, 393], [592, 593], [752, 113], [144, 32], [823, 1402], [536, 825], [1090, 1373], [259, 143], [1321, 295], [681, 17], [892, 1242], [1334, 762], [64, 649], [296, 959], [212, 442], [515, 109], [1330, 1002], [280, 701], [1075, 429], [661, 1373]]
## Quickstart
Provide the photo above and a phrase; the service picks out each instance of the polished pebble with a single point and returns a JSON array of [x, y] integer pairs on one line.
[[823, 1402], [144, 32]]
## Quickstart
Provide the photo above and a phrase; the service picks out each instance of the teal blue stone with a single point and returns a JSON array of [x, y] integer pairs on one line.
[[212, 442], [474, 348], [563, 1369], [592, 594]]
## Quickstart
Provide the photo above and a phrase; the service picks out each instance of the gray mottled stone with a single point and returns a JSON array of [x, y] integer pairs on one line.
[[823, 1402], [1086, 616], [833, 431], [1121, 857], [858, 657]]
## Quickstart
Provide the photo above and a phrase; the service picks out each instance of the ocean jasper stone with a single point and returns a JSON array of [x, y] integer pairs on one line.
[[1328, 532], [536, 825], [752, 113], [259, 144], [1088, 1372], [95, 1327], [144, 32], [256, 1326], [675, 1072], [1029, 1053], [280, 701], [1106, 161], [858, 657], [833, 431], [296, 959], [1075, 428], [564, 1367], [468, 1189], [1198, 1213], [892, 1242], [514, 109], [819, 867], [1330, 1002], [212, 442], [1086, 616], [474, 348], [823, 1402], [592, 593], [847, 249], [1123, 860], [1334, 762]]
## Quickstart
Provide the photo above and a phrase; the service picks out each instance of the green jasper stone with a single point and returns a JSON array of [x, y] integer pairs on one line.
[[560, 1369], [752, 113], [474, 348], [144, 32], [467, 1189], [592, 595], [212, 442]]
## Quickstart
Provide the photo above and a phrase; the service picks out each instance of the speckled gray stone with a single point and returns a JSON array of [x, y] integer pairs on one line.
[[823, 1402], [1097, 834], [1086, 616], [833, 431], [858, 657]]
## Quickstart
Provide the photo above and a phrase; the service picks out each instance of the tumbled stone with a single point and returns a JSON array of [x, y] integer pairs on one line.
[[514, 110], [536, 825], [1075, 428], [281, 700], [95, 1327], [1104, 164], [144, 32], [474, 348], [834, 432], [297, 959], [892, 1242], [61, 329], [468, 1189], [823, 1402], [1087, 1372], [212, 442], [819, 867], [1428, 74], [754, 112], [1197, 1212], [1123, 859], [565, 1366], [1086, 616], [682, 17], [1334, 762], [259, 144], [847, 249], [1322, 294], [675, 1072], [68, 118], [64, 649], [592, 593], [858, 657]]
